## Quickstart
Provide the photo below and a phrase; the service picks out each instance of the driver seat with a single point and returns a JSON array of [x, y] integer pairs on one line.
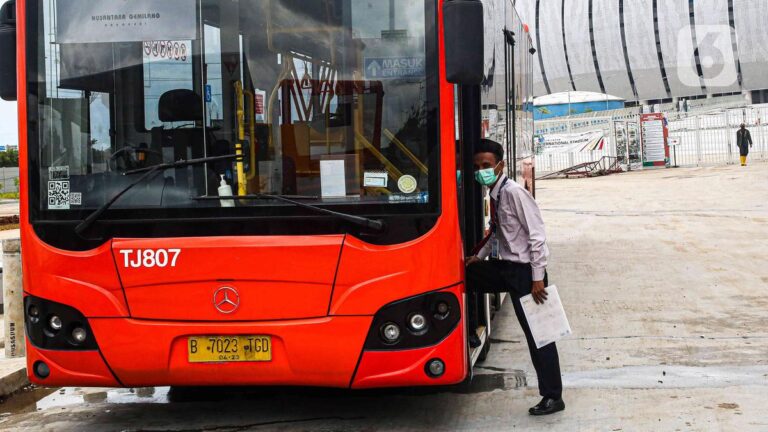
[[182, 113]]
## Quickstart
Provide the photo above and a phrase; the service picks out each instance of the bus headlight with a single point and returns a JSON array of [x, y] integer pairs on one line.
[[79, 335], [55, 323], [418, 322], [390, 332], [34, 314], [442, 310], [56, 326]]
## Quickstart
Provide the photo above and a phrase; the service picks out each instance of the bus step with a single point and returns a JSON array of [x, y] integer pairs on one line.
[[475, 353]]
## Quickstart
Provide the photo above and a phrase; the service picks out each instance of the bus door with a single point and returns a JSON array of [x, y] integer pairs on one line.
[[473, 211], [492, 110]]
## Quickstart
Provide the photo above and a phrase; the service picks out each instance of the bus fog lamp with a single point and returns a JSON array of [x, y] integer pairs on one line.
[[390, 332], [55, 323], [79, 335], [436, 368], [418, 322], [42, 370]]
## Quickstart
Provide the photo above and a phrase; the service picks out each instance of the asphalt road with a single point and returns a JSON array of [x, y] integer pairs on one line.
[[664, 275]]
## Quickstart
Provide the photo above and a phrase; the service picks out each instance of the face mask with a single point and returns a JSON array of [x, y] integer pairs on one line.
[[488, 176]]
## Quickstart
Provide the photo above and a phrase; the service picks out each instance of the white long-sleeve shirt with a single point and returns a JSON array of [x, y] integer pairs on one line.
[[520, 231]]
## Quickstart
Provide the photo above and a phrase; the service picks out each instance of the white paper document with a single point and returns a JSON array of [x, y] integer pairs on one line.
[[333, 178], [88, 21], [547, 321]]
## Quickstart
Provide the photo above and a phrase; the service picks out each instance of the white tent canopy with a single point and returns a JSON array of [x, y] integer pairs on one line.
[[574, 98]]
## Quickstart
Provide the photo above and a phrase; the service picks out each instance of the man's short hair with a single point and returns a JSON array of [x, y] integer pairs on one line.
[[490, 146]]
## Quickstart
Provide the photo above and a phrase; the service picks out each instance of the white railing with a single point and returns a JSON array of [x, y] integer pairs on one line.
[[553, 162], [710, 139], [706, 137]]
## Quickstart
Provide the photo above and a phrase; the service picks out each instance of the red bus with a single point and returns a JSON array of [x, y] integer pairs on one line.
[[229, 192]]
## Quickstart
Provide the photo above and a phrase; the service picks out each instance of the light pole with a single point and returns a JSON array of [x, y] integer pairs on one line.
[[392, 15]]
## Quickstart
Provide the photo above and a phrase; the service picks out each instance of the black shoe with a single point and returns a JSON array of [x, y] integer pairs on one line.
[[474, 341], [547, 406]]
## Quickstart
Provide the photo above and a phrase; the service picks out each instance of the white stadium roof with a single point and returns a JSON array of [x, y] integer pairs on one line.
[[632, 49], [574, 98]]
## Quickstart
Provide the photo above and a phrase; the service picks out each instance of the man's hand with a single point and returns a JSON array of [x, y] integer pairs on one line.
[[471, 260], [539, 292]]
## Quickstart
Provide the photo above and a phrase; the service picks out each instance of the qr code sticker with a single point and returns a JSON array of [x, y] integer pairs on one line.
[[75, 198], [58, 173], [58, 195]]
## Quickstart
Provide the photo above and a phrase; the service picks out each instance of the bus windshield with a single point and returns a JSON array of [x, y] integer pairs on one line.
[[331, 102]]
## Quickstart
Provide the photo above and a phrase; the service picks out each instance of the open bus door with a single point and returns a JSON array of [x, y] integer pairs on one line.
[[493, 103], [473, 212]]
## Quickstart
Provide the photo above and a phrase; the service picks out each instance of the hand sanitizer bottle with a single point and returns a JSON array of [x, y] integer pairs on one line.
[[225, 190]]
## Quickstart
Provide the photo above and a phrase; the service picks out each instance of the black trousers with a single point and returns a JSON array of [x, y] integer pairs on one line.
[[501, 276]]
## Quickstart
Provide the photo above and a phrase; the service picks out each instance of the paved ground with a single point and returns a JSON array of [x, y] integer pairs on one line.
[[9, 208], [9, 235], [664, 274]]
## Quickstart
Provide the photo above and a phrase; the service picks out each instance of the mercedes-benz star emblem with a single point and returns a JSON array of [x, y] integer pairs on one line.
[[226, 300]]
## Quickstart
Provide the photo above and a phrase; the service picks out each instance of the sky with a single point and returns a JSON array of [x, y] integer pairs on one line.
[[8, 127]]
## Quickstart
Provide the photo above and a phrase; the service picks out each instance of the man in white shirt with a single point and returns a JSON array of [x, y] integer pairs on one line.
[[517, 251]]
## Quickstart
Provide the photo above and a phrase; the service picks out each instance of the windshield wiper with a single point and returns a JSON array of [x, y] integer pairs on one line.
[[149, 173], [357, 220]]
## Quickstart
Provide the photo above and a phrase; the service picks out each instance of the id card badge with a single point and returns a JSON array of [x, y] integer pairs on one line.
[[494, 248]]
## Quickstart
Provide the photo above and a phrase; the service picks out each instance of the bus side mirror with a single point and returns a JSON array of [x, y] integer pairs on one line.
[[464, 41], [8, 51]]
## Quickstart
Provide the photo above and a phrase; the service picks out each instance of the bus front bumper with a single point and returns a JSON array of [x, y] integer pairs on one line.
[[322, 352]]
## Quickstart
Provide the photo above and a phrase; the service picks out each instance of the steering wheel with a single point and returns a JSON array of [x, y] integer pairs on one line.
[[127, 159]]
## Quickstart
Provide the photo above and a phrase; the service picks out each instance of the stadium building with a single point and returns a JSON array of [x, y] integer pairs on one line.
[[650, 51]]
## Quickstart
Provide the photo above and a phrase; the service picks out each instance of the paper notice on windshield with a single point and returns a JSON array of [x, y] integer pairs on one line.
[[547, 321], [333, 178], [89, 21], [378, 179]]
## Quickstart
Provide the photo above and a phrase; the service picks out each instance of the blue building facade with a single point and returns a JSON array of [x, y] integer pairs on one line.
[[544, 112]]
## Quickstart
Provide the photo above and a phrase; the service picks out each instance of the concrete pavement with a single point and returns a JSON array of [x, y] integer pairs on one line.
[[665, 278], [13, 375], [9, 208], [10, 234], [13, 372]]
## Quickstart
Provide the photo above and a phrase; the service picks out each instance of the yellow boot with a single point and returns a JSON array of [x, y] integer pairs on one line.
[[743, 161]]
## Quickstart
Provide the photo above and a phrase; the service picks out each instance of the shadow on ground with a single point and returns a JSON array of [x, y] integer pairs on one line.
[[239, 409]]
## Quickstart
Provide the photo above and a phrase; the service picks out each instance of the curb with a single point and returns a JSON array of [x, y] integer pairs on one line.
[[13, 376]]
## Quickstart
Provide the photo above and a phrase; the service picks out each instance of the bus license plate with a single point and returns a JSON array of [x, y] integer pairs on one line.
[[223, 349]]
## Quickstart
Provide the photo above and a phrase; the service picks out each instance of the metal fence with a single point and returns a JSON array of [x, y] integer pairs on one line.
[[9, 179], [710, 139], [705, 138]]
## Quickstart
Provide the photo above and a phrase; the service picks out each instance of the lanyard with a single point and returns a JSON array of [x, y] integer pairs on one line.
[[494, 221], [495, 206]]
